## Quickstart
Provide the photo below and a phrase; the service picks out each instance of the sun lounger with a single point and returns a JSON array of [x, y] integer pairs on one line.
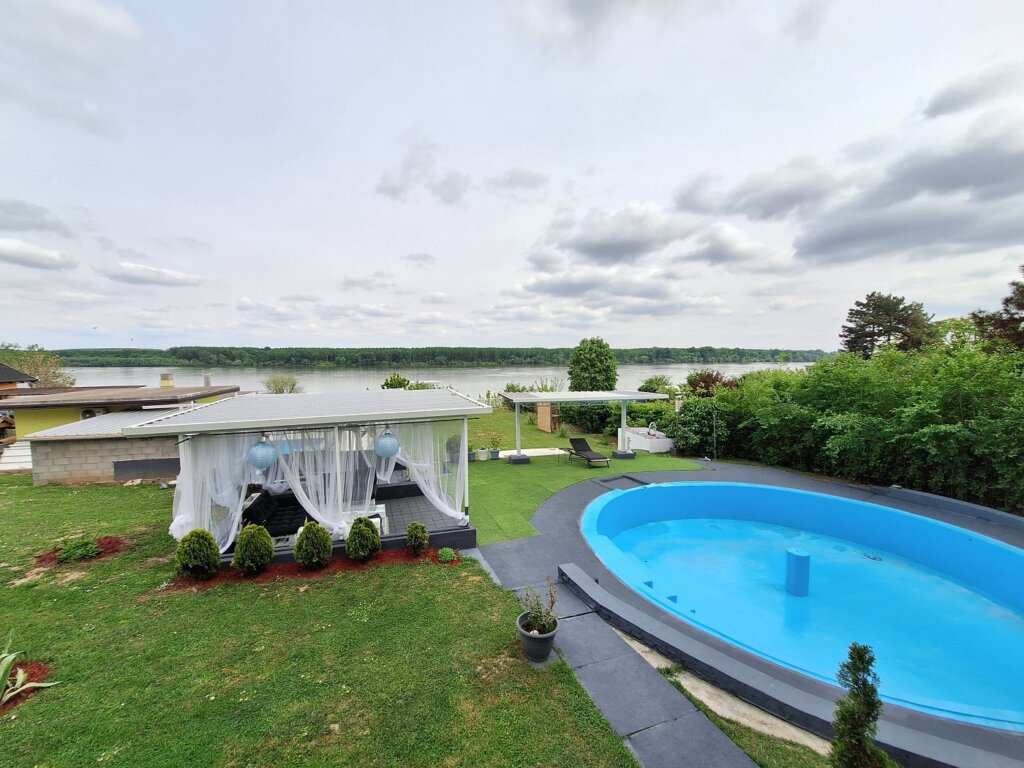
[[581, 448]]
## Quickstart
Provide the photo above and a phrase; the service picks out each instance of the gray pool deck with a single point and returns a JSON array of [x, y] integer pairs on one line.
[[660, 725]]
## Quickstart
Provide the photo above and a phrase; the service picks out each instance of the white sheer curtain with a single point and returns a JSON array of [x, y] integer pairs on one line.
[[329, 471], [425, 450], [211, 486]]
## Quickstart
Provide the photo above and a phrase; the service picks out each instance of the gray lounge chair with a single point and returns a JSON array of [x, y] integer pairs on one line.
[[581, 448]]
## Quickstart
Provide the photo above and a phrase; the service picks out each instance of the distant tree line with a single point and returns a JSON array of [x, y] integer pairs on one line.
[[412, 357]]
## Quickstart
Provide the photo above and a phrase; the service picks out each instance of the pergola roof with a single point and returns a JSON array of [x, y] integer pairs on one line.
[[105, 426], [523, 398], [258, 413]]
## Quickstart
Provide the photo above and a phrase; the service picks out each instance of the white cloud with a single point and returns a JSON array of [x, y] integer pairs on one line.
[[970, 92], [420, 259], [436, 297], [33, 256], [19, 215], [141, 274]]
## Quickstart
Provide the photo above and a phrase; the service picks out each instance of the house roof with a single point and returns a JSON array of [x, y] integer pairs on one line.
[[37, 391], [521, 398], [10, 375], [118, 396], [258, 413], [106, 426]]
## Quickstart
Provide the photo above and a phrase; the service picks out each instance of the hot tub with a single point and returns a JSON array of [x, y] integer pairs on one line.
[[643, 439]]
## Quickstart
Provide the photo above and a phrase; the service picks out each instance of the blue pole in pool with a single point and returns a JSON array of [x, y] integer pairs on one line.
[[798, 572]]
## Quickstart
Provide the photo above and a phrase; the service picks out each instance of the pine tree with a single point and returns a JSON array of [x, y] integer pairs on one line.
[[856, 717], [882, 320]]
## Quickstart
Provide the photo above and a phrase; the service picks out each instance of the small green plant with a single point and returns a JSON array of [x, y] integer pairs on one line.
[[395, 381], [363, 540], [447, 555], [417, 537], [14, 681], [856, 717], [313, 546], [254, 549], [197, 555], [563, 432], [80, 549], [540, 615], [494, 439]]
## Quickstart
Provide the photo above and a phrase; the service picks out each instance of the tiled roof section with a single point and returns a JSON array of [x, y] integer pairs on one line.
[[108, 425], [9, 375], [119, 396]]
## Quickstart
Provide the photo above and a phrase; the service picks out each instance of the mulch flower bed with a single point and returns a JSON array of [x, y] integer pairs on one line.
[[276, 571], [37, 673], [110, 545]]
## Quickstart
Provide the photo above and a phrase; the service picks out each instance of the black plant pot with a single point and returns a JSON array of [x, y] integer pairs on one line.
[[536, 647]]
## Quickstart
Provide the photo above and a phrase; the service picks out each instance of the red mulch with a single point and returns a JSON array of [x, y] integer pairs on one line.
[[110, 545], [296, 571], [37, 673]]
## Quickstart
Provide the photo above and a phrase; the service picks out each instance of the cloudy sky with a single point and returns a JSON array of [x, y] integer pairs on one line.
[[487, 173]]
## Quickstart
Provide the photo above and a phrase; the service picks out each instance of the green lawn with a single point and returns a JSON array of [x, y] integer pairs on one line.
[[503, 423], [395, 666], [503, 497]]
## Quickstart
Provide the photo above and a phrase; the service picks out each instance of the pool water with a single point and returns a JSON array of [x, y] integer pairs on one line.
[[942, 645]]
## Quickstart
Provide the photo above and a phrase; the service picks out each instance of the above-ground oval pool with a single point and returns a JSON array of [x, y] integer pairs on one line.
[[942, 607]]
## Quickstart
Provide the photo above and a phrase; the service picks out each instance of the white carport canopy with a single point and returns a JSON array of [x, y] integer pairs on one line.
[[623, 396], [324, 453]]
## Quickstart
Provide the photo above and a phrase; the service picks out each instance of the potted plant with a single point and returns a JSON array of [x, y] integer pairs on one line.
[[495, 441], [481, 454], [538, 623], [452, 445], [470, 454]]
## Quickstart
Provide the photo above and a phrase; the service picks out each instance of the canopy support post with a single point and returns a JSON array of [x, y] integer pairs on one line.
[[519, 458], [624, 452], [464, 465], [337, 469]]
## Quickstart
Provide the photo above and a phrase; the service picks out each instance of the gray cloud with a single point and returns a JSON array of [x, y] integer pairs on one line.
[[302, 298], [260, 309], [420, 259], [516, 182], [21, 216], [622, 235], [378, 279], [354, 312], [722, 243], [583, 22], [418, 170], [141, 274], [918, 227], [545, 260], [967, 93], [24, 254], [58, 106], [450, 188], [436, 297], [797, 185], [806, 23]]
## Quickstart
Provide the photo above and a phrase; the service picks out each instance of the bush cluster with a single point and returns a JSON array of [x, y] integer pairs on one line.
[[447, 555], [80, 549], [313, 547], [254, 549], [363, 540], [197, 555], [417, 537]]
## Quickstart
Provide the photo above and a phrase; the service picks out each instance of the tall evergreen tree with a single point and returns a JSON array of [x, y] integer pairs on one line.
[[883, 320], [856, 718], [1007, 324]]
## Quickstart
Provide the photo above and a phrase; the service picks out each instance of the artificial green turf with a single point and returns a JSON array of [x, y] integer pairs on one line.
[[767, 751], [503, 497], [503, 423], [402, 665]]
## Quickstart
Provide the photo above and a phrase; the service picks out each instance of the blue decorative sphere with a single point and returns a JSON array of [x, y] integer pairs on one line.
[[386, 445], [262, 455]]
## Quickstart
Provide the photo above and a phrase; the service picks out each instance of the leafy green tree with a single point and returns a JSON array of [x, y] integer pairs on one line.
[[282, 384], [883, 320], [699, 428], [856, 718], [658, 383], [1007, 324], [592, 366], [395, 381], [36, 361]]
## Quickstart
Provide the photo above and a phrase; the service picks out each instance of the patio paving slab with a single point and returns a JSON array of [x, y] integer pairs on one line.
[[691, 742], [586, 639]]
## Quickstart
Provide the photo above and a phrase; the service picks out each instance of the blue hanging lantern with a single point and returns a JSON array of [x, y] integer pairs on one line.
[[386, 445], [262, 455]]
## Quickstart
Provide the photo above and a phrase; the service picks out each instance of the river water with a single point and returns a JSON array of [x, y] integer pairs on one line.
[[470, 381]]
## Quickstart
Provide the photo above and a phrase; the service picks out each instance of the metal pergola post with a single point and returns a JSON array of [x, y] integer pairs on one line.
[[519, 458], [623, 451], [464, 464]]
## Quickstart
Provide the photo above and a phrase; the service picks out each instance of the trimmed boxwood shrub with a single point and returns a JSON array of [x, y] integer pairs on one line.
[[80, 549], [254, 549], [417, 537], [314, 545], [363, 540], [447, 555], [197, 555]]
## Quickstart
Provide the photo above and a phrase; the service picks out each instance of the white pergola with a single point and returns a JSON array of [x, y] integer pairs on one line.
[[624, 396]]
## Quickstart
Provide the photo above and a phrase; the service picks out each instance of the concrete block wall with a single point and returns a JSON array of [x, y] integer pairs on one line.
[[92, 461]]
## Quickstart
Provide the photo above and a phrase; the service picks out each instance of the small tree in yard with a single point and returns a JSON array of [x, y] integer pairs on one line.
[[395, 381], [856, 718], [592, 366], [36, 361], [282, 384]]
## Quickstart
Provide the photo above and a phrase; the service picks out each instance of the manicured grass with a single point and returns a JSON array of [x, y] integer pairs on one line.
[[767, 751], [395, 666], [503, 497]]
